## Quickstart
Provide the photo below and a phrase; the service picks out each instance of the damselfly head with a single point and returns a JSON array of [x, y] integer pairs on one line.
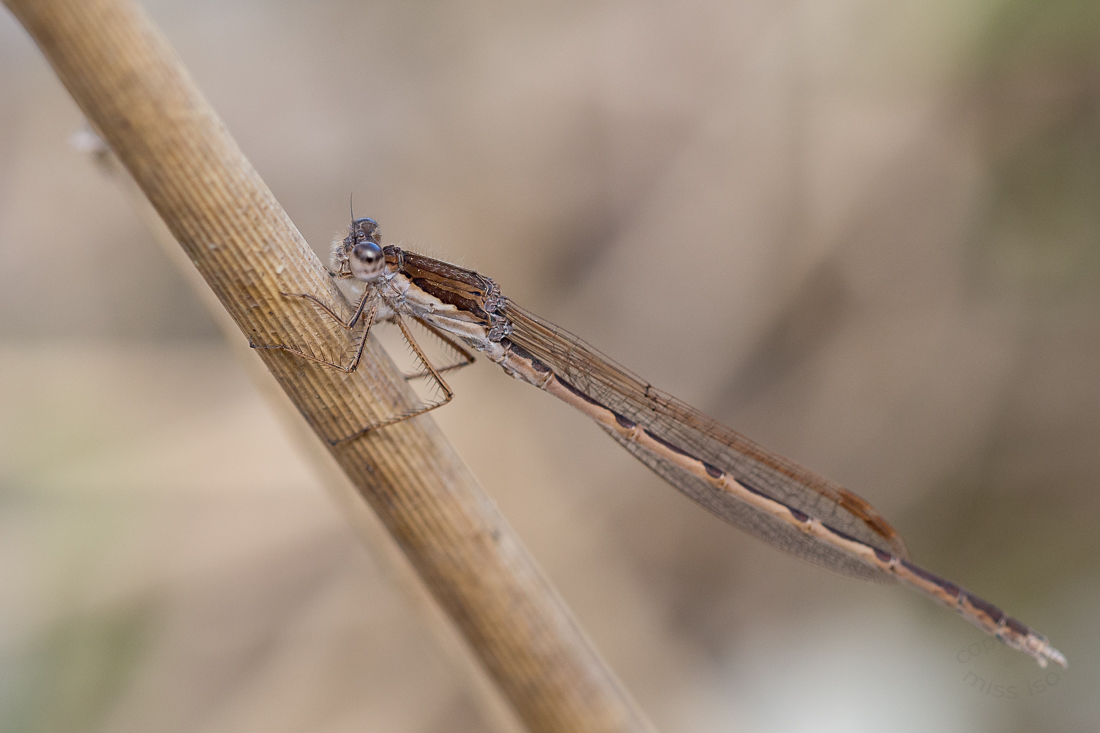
[[362, 230], [359, 254]]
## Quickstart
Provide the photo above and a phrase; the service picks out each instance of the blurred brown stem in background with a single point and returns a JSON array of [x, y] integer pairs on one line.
[[132, 87]]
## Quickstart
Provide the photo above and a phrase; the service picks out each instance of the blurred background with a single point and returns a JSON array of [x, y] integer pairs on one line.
[[865, 234]]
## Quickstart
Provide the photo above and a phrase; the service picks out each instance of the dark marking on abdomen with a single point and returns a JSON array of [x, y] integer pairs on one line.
[[995, 614], [800, 516], [848, 537], [753, 490], [580, 394], [947, 586], [523, 353], [624, 421], [671, 446]]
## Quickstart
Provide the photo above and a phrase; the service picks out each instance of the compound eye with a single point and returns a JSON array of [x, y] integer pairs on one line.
[[367, 261]]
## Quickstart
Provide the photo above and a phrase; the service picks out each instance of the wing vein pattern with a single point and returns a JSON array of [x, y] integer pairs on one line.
[[704, 438]]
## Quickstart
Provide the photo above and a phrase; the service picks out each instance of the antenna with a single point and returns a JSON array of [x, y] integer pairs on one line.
[[351, 203]]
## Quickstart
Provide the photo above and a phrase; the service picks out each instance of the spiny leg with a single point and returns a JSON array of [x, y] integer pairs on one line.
[[448, 393], [367, 294], [463, 352], [358, 351]]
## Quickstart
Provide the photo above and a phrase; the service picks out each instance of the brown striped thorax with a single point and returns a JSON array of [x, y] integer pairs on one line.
[[459, 300]]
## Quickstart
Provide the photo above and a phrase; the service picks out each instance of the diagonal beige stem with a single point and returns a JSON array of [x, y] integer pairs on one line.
[[130, 84]]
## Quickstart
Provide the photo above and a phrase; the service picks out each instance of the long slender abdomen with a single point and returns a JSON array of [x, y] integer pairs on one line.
[[977, 611]]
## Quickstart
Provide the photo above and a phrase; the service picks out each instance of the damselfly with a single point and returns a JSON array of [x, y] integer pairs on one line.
[[750, 487]]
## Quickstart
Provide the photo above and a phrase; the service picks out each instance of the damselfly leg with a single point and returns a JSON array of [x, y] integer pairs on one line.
[[367, 309], [370, 315], [462, 356]]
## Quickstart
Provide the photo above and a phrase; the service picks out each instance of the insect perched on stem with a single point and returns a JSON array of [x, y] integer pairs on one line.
[[775, 499]]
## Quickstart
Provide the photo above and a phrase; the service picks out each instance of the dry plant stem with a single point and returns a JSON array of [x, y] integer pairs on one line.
[[129, 83], [365, 523]]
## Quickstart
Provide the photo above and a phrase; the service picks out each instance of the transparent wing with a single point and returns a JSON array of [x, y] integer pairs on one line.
[[681, 425]]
